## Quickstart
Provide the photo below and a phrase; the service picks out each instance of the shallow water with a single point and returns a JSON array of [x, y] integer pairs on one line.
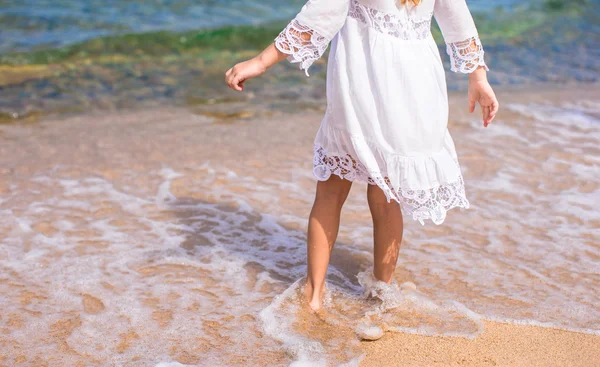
[[66, 64], [161, 236]]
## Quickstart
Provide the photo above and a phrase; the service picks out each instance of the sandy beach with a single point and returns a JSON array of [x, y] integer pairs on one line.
[[499, 345]]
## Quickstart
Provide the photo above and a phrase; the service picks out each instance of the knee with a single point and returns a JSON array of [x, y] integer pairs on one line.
[[378, 203], [332, 195], [383, 209]]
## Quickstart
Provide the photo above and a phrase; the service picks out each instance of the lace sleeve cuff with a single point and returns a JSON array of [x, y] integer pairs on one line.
[[303, 44], [466, 56]]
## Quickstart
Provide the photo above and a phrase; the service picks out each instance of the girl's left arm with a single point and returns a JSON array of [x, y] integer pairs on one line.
[[303, 41], [466, 54]]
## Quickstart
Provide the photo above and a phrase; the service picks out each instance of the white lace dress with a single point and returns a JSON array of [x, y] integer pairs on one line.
[[387, 104]]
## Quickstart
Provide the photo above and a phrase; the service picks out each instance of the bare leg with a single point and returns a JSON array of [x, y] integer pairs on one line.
[[323, 226], [387, 233]]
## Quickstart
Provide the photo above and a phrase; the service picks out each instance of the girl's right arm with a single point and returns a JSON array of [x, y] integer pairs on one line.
[[237, 75], [303, 41]]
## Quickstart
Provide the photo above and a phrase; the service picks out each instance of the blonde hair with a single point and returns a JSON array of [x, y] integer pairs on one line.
[[414, 2]]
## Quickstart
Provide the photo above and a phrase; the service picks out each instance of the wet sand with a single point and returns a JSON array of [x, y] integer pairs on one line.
[[159, 235], [499, 345]]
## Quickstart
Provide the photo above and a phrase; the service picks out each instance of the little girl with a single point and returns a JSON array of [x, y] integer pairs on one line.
[[386, 117]]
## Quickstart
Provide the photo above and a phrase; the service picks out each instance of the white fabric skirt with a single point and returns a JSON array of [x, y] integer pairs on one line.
[[386, 121]]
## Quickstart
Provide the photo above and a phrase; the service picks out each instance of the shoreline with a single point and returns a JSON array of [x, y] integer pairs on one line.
[[241, 106]]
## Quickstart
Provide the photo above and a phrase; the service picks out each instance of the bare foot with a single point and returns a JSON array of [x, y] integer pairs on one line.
[[313, 300]]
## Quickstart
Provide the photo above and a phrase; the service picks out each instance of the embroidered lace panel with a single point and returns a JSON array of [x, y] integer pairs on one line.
[[303, 44], [431, 203], [391, 24], [466, 56]]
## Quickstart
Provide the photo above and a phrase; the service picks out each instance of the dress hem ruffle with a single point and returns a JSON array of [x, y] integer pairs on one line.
[[440, 188]]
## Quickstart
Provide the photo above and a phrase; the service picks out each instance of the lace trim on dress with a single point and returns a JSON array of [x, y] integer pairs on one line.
[[390, 23], [431, 203], [466, 56], [303, 44]]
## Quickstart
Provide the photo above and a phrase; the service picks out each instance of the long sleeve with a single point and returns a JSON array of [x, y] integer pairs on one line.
[[307, 36], [460, 35]]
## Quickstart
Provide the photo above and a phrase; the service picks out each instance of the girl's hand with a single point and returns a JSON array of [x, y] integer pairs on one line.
[[237, 75], [481, 91]]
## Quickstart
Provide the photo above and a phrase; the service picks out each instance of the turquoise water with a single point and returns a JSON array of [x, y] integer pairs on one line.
[[29, 24], [50, 23]]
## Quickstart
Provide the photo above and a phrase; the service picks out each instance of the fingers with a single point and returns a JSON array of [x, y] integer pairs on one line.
[[485, 110], [494, 109], [234, 80], [228, 77], [471, 106], [235, 84]]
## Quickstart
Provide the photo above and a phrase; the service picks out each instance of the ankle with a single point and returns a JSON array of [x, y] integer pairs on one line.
[[313, 291], [383, 277], [313, 294]]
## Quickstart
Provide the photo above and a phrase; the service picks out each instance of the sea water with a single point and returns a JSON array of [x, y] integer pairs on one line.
[[60, 57], [30, 24], [165, 238]]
